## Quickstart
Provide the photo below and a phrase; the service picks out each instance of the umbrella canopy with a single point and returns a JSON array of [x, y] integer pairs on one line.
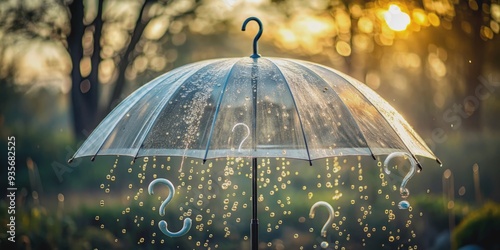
[[253, 107]]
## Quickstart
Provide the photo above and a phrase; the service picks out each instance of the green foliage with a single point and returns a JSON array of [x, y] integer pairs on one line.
[[481, 227], [40, 228], [436, 210]]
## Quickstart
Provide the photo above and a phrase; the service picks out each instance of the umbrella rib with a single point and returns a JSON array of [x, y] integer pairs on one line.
[[296, 109], [385, 118], [342, 102], [219, 102]]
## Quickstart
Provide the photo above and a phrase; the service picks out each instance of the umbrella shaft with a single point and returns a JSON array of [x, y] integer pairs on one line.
[[255, 222]]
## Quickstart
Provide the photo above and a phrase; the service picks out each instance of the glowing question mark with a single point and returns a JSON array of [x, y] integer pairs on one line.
[[329, 222], [244, 139], [163, 224], [404, 204]]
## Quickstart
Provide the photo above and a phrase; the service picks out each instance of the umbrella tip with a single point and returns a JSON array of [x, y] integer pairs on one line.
[[310, 163], [373, 156], [204, 160], [93, 158], [256, 38], [439, 162], [419, 167], [70, 160]]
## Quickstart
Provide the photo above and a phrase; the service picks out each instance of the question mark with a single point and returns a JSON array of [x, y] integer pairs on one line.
[[404, 204], [324, 244], [163, 224], [244, 139]]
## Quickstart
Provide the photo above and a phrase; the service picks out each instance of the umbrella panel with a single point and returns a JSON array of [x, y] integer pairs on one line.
[[183, 125], [120, 133], [264, 105], [377, 132], [412, 141], [327, 123]]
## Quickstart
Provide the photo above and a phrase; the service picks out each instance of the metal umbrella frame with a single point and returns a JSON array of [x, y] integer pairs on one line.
[[373, 126]]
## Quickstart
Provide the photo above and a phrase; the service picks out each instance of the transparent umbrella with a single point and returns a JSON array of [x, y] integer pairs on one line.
[[254, 107]]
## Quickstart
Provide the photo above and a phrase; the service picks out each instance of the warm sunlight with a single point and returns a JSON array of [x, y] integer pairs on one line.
[[396, 19]]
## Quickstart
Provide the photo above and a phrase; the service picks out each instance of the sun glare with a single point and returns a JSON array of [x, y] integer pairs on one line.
[[396, 19]]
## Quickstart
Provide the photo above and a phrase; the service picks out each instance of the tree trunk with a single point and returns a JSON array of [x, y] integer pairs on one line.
[[78, 98], [93, 77], [84, 91]]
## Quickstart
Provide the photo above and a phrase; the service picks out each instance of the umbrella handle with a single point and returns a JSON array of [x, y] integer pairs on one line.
[[256, 38]]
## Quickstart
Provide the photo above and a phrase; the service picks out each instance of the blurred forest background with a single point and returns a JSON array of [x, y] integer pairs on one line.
[[65, 64]]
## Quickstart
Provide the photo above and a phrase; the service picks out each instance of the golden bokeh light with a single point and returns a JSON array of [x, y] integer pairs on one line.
[[396, 19], [494, 26], [156, 28], [495, 12], [308, 34], [106, 70], [486, 32], [433, 19], [365, 25], [420, 17], [343, 48], [313, 25], [436, 65]]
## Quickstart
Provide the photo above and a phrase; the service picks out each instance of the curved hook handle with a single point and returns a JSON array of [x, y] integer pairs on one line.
[[185, 228], [163, 224], [255, 54], [331, 215], [402, 190]]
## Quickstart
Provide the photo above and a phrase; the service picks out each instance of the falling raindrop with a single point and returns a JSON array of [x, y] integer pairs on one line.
[[403, 204], [324, 244], [215, 196]]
